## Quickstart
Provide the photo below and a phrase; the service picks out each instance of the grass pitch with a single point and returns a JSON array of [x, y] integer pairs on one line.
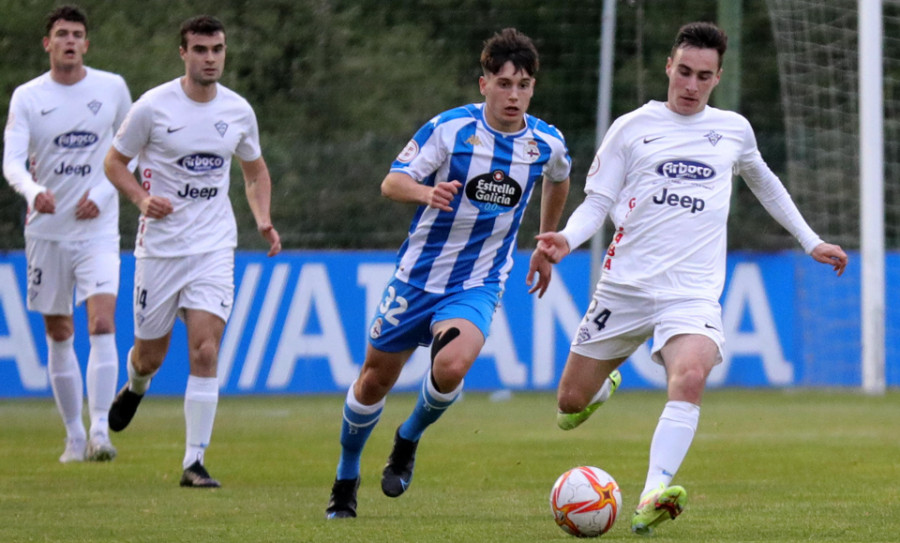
[[766, 465]]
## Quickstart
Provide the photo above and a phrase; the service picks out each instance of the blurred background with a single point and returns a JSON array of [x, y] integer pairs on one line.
[[339, 87]]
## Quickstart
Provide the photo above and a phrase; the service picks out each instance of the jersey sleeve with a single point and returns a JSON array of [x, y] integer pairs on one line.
[[104, 193], [607, 172], [424, 153], [559, 166], [134, 133], [16, 138], [249, 148], [772, 194]]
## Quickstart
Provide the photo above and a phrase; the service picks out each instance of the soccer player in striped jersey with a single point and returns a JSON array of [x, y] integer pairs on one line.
[[60, 125], [663, 173], [472, 171]]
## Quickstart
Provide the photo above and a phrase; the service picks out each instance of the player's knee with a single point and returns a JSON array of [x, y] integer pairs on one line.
[[570, 401], [101, 324], [205, 355]]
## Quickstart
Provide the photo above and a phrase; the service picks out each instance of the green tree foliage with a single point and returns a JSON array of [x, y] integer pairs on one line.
[[339, 86]]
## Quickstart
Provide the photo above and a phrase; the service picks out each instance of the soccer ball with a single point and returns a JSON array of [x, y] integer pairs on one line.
[[585, 501]]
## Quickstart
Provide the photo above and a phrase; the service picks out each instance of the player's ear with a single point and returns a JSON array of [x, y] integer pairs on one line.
[[482, 84]]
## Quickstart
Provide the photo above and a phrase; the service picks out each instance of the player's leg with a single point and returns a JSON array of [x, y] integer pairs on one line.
[[50, 285], [362, 410], [96, 268], [456, 345], [586, 383], [66, 383], [201, 397], [157, 287], [688, 359]]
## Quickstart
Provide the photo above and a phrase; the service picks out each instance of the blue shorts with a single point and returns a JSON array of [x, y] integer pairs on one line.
[[404, 318]]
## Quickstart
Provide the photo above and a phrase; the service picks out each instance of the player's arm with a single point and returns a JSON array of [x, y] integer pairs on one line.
[[258, 186], [553, 200], [775, 198], [401, 187], [15, 157], [117, 171]]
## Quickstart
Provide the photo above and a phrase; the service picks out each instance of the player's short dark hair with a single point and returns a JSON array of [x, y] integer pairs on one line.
[[69, 13], [701, 36], [509, 45], [206, 25]]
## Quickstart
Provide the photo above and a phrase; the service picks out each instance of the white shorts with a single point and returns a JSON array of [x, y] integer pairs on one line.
[[165, 287], [56, 268], [621, 318]]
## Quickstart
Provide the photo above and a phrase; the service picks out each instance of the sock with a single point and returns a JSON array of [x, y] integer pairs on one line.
[[671, 442], [359, 421], [603, 394], [200, 400], [430, 406], [67, 384], [102, 376], [137, 383]]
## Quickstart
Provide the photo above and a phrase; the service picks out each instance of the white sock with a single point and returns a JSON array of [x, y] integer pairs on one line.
[[137, 383], [200, 400], [603, 394], [102, 377], [671, 442], [67, 384]]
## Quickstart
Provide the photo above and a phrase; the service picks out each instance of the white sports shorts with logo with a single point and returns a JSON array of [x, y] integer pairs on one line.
[[56, 268], [621, 318], [165, 287]]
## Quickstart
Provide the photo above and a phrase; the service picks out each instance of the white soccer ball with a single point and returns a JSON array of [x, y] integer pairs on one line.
[[585, 501]]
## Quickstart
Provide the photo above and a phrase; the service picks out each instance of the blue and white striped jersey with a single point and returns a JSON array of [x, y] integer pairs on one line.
[[473, 245]]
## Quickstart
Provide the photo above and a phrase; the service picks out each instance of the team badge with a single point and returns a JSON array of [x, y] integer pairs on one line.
[[532, 152], [713, 137], [409, 152], [595, 166], [375, 331], [221, 127], [94, 106]]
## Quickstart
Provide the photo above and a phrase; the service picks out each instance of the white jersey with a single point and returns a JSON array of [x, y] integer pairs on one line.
[[184, 151], [669, 177], [56, 138]]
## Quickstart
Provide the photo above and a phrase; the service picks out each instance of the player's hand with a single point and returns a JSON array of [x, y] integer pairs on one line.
[[540, 265], [86, 208], [45, 202], [826, 253], [155, 207], [442, 194], [269, 233], [553, 246]]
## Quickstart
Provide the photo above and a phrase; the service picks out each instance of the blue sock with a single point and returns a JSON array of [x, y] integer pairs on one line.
[[359, 421], [429, 408]]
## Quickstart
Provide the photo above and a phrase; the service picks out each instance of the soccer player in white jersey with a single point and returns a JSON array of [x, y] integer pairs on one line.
[[184, 134], [663, 173], [471, 170], [59, 128]]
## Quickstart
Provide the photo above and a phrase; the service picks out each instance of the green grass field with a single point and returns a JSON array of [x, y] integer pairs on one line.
[[765, 466]]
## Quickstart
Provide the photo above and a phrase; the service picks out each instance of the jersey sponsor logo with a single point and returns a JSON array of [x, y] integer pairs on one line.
[[494, 192], [48, 111], [73, 169], [201, 162], [169, 130], [686, 169], [409, 152], [206, 193], [675, 200], [76, 139], [651, 140]]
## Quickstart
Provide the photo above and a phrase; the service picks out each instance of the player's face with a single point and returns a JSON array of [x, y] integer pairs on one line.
[[507, 94], [204, 57], [66, 44], [693, 74]]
